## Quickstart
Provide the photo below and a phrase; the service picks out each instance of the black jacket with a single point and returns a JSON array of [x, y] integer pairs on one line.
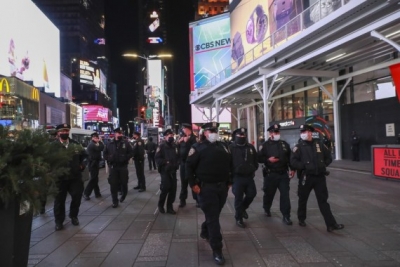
[[167, 157], [150, 147], [77, 163], [94, 151], [138, 150], [209, 163], [279, 149], [184, 147], [118, 153], [311, 157], [244, 160]]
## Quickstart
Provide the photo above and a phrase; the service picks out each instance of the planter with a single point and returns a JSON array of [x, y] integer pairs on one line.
[[15, 234]]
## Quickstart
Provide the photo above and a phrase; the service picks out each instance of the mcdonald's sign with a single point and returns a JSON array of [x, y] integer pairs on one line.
[[35, 94], [4, 84]]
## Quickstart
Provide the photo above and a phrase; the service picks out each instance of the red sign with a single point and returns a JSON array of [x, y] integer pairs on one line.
[[386, 162], [95, 113], [395, 71]]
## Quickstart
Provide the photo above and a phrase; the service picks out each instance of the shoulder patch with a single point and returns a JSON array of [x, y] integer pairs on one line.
[[295, 149], [260, 147], [158, 149], [139, 143], [191, 151]]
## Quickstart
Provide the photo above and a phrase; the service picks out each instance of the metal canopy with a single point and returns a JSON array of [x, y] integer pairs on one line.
[[347, 34]]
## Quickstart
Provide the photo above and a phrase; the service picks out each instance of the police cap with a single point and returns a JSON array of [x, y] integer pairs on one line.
[[274, 128], [306, 127], [167, 132], [210, 126], [63, 126], [240, 131], [95, 134], [118, 130], [187, 125], [136, 133]]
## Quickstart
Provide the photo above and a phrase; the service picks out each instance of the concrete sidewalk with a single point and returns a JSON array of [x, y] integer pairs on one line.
[[136, 234]]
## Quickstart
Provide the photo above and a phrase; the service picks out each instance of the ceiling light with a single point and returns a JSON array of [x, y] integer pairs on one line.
[[391, 34], [335, 57]]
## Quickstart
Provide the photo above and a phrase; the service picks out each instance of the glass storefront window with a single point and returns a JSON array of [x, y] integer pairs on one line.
[[312, 102], [298, 105], [287, 108]]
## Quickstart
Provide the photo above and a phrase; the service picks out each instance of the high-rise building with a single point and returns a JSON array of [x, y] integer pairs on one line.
[[207, 8], [82, 47]]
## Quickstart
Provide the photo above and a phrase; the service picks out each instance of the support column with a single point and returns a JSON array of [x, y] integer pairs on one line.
[[336, 121], [238, 117], [255, 133], [248, 119], [266, 109], [217, 110]]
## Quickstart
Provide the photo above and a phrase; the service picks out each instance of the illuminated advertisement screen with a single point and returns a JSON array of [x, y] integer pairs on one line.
[[66, 87], [89, 74], [211, 47], [202, 115], [103, 83], [29, 45], [254, 21], [95, 113], [386, 161]]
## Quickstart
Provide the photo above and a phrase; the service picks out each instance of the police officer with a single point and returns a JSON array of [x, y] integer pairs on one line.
[[208, 167], [71, 183], [275, 155], [138, 158], [118, 153], [185, 142], [167, 158], [150, 148], [312, 157], [244, 164], [94, 150]]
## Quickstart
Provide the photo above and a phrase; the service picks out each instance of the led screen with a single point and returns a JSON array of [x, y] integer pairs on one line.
[[66, 87], [95, 113], [211, 50], [29, 45]]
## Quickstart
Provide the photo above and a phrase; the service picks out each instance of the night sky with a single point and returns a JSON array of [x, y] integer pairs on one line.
[[121, 31]]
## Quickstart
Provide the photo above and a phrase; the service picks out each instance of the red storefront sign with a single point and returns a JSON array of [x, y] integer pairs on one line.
[[95, 113], [395, 71], [386, 162]]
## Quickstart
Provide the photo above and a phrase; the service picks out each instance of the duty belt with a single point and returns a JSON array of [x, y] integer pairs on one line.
[[280, 171]]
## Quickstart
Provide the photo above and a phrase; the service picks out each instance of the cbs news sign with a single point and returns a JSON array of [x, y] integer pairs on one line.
[[19, 88]]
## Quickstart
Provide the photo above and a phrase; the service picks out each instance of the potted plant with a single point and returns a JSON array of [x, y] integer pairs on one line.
[[29, 165]]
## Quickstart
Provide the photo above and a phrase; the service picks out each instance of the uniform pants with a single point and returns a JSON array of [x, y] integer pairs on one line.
[[168, 189], [152, 161], [356, 152], [185, 184], [212, 199], [139, 166], [318, 183], [75, 188], [245, 191], [93, 183], [272, 182], [118, 179]]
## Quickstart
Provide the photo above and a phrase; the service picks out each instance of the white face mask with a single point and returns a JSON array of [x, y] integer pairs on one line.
[[304, 136], [212, 137], [277, 137]]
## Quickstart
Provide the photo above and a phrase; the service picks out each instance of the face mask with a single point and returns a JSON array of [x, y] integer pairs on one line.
[[240, 140], [119, 138], [212, 137], [170, 139], [64, 136], [304, 136], [277, 137]]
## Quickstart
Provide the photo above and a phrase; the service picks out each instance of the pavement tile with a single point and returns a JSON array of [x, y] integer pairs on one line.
[[150, 264], [183, 254], [97, 225], [185, 225], [64, 254], [137, 230], [278, 260], [394, 254], [104, 242], [122, 222], [301, 250], [156, 245], [243, 253], [122, 255]]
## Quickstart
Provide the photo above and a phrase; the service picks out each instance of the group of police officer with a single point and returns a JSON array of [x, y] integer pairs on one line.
[[210, 167]]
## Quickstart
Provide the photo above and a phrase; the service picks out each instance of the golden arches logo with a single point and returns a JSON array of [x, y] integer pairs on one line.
[[7, 85], [35, 94]]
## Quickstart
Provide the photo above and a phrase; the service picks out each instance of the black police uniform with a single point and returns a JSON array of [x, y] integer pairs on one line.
[[71, 183], [138, 159], [167, 158], [244, 164], [312, 158], [118, 153], [150, 148], [276, 174], [208, 165], [94, 150], [184, 148]]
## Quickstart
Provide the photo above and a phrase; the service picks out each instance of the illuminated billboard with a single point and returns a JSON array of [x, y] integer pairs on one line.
[[66, 87], [211, 50], [202, 115], [95, 113], [29, 45]]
